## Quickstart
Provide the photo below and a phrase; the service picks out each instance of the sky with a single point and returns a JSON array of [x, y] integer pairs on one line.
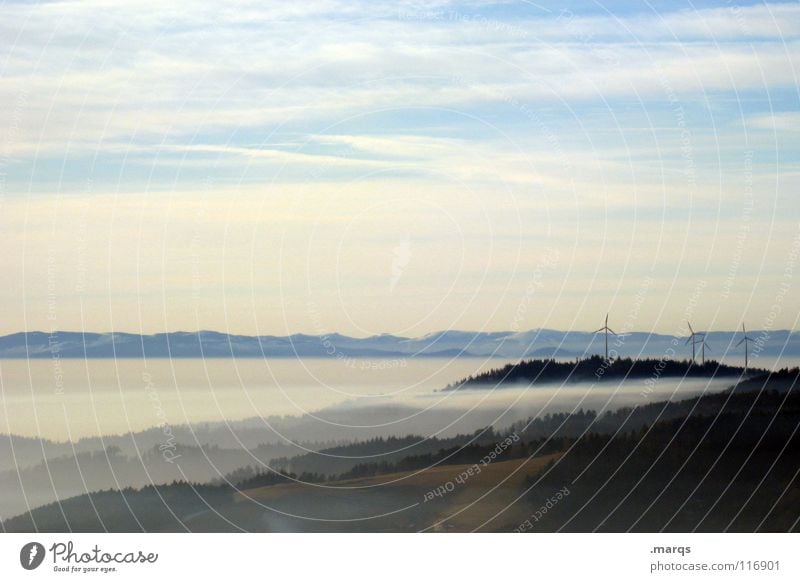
[[371, 167]]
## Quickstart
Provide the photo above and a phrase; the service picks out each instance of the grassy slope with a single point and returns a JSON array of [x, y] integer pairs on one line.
[[363, 500]]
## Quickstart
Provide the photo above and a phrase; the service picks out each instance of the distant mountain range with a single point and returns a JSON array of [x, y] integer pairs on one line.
[[540, 343]]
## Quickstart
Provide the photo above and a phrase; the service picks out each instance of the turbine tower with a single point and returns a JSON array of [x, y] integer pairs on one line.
[[695, 338], [606, 329], [746, 340], [703, 346]]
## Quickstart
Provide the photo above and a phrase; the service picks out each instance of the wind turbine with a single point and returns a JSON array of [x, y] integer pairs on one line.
[[606, 329], [695, 338], [703, 346], [746, 340]]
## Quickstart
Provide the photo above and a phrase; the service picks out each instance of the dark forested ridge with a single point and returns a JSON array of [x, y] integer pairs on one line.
[[598, 369], [733, 471], [719, 462]]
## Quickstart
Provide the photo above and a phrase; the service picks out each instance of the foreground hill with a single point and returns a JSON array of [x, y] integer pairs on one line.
[[383, 503], [722, 462]]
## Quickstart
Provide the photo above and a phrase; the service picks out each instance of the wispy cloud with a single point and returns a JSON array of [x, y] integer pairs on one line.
[[488, 123], [783, 121]]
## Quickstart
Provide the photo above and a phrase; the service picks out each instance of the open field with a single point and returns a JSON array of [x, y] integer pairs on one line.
[[397, 501]]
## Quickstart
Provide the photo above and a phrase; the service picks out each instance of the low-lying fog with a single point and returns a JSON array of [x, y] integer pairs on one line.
[[131, 422], [313, 399]]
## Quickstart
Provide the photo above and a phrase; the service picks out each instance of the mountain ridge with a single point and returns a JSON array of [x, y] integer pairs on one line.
[[443, 344]]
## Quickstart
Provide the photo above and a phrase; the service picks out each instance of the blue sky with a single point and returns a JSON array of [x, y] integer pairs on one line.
[[398, 167]]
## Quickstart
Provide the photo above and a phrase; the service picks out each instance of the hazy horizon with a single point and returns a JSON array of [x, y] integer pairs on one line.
[[666, 332]]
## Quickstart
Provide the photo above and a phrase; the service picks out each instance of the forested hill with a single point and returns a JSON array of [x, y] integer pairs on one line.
[[726, 461], [598, 369]]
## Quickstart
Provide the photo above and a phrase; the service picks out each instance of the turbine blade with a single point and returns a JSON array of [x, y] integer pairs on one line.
[[690, 327], [740, 342], [612, 331]]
